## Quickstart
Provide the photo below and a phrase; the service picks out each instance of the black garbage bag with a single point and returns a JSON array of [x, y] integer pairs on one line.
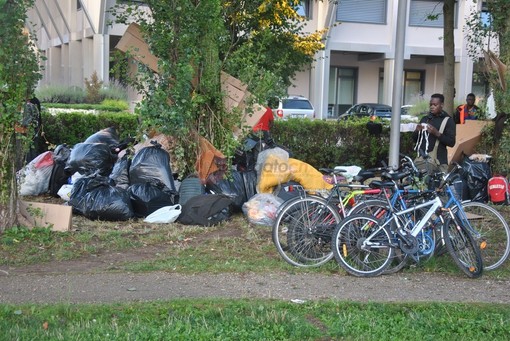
[[150, 164], [120, 172], [150, 196], [230, 186], [107, 136], [475, 176], [59, 176], [96, 198], [250, 183], [89, 158]]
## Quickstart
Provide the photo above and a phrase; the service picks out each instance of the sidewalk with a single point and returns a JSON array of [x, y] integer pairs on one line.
[[109, 287]]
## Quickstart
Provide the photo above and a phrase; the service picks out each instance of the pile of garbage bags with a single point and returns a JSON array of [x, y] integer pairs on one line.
[[103, 180]]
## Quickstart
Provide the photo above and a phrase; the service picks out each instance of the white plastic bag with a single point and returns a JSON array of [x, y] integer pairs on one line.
[[164, 215], [34, 179], [65, 192]]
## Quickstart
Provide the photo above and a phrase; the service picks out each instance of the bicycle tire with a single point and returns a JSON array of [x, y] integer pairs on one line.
[[356, 259], [463, 248], [400, 259], [492, 233], [302, 231]]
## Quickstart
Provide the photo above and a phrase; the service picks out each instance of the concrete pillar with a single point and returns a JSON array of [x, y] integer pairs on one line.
[[75, 63], [101, 56], [54, 65], [319, 85], [64, 64], [389, 78]]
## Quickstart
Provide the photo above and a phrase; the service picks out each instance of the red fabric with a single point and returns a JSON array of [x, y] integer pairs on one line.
[[265, 121]]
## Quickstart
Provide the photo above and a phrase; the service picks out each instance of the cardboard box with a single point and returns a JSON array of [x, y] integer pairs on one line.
[[468, 135], [39, 214], [236, 92], [133, 43]]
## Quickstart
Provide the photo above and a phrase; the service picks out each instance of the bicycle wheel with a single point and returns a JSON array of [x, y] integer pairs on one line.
[[463, 248], [426, 239], [491, 231], [362, 246], [302, 231]]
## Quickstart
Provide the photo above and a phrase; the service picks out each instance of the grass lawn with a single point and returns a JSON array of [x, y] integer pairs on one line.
[[234, 246], [255, 320]]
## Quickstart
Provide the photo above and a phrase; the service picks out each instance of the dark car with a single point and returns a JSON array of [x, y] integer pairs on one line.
[[367, 110]]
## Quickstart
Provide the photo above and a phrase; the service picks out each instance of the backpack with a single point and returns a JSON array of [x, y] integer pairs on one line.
[[498, 190], [206, 210]]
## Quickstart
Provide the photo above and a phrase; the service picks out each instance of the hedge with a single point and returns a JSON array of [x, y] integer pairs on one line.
[[317, 142]]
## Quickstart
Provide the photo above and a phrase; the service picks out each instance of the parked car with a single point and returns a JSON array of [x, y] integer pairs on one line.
[[368, 109], [294, 107], [380, 110]]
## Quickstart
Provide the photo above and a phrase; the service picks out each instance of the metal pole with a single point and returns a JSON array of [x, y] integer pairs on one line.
[[394, 155]]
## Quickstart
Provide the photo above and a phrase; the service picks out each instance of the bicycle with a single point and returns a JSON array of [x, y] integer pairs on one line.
[[303, 226], [484, 222], [365, 246]]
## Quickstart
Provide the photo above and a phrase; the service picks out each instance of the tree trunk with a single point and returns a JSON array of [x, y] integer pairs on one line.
[[8, 188], [449, 56]]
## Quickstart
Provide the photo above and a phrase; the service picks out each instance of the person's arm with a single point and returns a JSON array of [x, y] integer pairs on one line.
[[456, 116]]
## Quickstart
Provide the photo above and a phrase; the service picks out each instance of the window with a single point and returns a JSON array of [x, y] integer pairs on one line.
[[485, 16], [362, 11], [78, 5], [428, 13], [342, 90], [413, 85], [303, 9]]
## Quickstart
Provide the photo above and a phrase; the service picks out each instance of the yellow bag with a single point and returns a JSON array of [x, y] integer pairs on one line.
[[273, 172], [309, 177]]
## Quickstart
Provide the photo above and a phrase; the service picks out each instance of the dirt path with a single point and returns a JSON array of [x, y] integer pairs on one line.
[[73, 282]]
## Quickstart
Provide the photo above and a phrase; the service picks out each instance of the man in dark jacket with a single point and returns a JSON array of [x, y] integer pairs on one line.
[[427, 132]]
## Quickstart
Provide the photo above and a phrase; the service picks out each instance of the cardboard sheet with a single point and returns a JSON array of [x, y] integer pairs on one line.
[[39, 214], [468, 135]]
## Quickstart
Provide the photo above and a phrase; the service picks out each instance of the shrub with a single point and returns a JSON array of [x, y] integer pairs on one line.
[[60, 94], [121, 105], [114, 90], [92, 87]]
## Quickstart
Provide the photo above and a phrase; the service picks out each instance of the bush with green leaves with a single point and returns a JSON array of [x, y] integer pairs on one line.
[[329, 144], [79, 126]]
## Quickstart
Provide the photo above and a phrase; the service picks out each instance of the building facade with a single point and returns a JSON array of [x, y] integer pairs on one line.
[[359, 60], [357, 65]]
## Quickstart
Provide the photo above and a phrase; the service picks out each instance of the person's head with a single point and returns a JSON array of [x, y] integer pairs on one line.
[[470, 99], [436, 104]]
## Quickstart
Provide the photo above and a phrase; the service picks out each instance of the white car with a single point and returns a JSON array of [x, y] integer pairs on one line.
[[294, 107]]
